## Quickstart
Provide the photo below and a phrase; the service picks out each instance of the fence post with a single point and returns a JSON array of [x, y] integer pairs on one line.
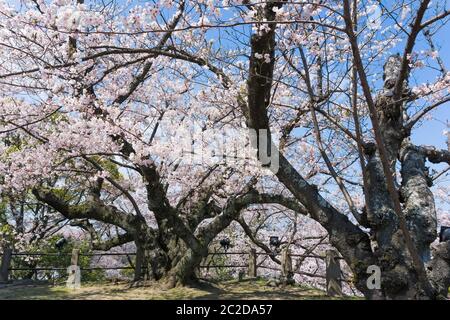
[[252, 272], [6, 262], [333, 274], [286, 263], [74, 272], [138, 262], [75, 256]]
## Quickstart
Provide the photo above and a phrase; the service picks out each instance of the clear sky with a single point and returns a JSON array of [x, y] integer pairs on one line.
[[432, 131]]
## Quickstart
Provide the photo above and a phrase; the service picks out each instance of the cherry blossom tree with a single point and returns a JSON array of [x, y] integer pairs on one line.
[[97, 101], [95, 147]]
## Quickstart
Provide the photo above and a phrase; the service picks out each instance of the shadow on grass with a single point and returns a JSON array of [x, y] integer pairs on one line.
[[244, 290], [257, 290]]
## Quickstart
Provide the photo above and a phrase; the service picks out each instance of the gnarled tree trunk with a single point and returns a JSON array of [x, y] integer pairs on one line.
[[399, 276]]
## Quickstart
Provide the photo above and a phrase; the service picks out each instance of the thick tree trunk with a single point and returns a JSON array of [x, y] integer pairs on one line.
[[151, 264], [439, 268], [183, 273]]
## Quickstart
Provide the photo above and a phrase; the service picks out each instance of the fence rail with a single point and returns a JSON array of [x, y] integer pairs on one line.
[[333, 276], [64, 269], [69, 254]]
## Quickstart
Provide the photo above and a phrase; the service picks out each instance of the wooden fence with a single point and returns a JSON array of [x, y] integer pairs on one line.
[[333, 275]]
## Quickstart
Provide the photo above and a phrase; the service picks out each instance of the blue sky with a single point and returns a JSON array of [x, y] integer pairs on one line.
[[432, 131]]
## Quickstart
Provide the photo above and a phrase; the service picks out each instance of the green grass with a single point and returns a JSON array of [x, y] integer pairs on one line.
[[246, 290]]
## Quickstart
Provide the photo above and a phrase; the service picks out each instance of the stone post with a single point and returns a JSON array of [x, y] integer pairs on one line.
[[286, 263], [333, 273], [286, 267], [74, 271]]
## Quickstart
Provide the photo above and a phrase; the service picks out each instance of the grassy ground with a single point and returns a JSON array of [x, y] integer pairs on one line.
[[246, 290]]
